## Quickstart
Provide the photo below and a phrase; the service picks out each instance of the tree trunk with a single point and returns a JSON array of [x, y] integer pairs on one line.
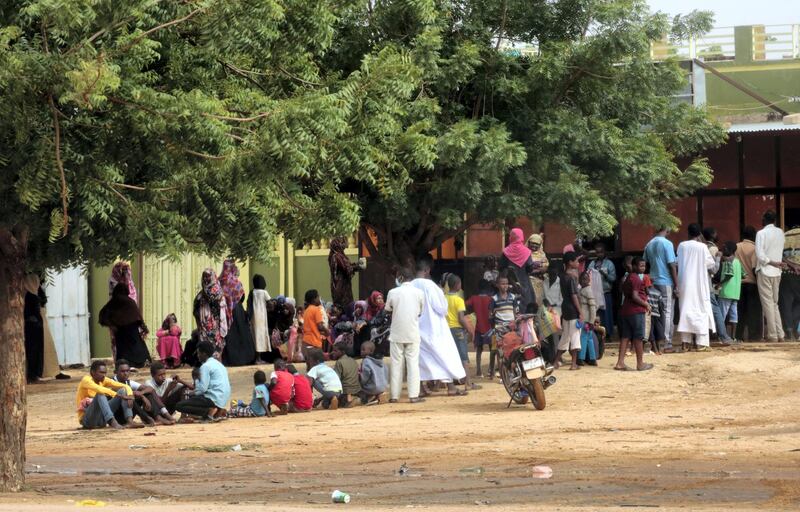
[[12, 363]]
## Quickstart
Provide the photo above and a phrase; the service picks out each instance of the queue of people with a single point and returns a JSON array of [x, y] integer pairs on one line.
[[667, 297]]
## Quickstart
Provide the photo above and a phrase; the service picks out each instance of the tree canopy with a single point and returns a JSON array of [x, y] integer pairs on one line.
[[142, 125], [550, 109]]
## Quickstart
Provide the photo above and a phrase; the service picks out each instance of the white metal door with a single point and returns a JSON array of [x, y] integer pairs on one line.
[[68, 314]]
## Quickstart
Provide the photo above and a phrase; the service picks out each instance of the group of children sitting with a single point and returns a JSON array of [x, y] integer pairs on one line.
[[346, 384]]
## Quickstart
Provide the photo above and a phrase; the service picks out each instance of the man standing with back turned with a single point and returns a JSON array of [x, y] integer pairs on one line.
[[769, 255], [405, 303], [659, 253]]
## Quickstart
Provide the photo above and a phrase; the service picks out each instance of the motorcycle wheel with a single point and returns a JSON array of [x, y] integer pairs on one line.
[[515, 394], [536, 390]]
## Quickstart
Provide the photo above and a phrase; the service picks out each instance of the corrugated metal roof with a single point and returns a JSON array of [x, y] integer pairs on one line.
[[774, 126]]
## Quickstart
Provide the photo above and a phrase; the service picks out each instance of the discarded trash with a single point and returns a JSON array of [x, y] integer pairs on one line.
[[542, 472], [403, 471], [236, 448], [476, 470], [338, 496], [90, 503], [137, 447]]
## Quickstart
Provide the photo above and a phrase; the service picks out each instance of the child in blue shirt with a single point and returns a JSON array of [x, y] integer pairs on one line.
[[259, 404]]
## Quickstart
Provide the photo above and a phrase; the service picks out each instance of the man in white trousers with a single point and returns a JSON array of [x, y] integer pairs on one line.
[[406, 304], [769, 267]]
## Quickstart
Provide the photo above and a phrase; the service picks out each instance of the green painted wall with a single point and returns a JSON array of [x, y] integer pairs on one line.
[[99, 337], [271, 272], [773, 84], [312, 272]]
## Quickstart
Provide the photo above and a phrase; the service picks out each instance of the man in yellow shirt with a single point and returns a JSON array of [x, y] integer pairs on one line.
[[99, 398], [457, 321]]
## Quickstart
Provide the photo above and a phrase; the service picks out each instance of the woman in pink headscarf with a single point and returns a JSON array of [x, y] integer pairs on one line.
[[517, 263], [121, 273]]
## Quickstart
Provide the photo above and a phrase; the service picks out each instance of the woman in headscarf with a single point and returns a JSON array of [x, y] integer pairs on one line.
[[121, 274], [540, 263], [375, 305], [517, 259], [258, 312], [342, 270], [231, 286], [121, 314], [210, 312], [34, 329]]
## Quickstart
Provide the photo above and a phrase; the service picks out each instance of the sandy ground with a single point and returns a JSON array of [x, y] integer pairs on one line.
[[702, 431]]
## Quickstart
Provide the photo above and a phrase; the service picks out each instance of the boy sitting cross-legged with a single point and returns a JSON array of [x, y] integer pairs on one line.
[[259, 405], [372, 376]]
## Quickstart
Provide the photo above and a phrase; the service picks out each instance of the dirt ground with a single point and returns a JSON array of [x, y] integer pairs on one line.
[[702, 431]]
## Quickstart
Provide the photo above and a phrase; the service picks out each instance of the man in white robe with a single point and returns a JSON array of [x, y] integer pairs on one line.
[[694, 287], [438, 354]]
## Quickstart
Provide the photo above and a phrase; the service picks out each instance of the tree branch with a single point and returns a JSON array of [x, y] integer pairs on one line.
[[293, 77], [373, 251], [450, 233], [243, 73], [162, 26], [503, 21], [60, 164]]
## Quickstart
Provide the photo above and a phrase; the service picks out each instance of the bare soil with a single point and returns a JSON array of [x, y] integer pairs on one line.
[[702, 431]]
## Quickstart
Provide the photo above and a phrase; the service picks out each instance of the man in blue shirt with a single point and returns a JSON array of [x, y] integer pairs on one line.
[[212, 390], [659, 253], [608, 274]]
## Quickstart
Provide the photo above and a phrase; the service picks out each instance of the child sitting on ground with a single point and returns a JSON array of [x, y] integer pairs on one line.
[[323, 379], [303, 398], [347, 370], [372, 376], [589, 311], [259, 404], [281, 386]]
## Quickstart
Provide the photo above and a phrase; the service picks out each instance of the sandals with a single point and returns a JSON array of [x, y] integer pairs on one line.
[[457, 392], [646, 367], [623, 369]]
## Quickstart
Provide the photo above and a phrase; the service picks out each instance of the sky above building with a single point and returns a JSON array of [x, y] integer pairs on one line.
[[736, 12]]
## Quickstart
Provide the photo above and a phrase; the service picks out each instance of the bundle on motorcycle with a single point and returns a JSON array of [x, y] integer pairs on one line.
[[523, 369]]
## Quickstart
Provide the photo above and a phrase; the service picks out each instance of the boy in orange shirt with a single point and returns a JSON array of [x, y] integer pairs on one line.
[[314, 327]]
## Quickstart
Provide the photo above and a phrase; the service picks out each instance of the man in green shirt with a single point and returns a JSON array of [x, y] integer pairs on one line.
[[730, 286]]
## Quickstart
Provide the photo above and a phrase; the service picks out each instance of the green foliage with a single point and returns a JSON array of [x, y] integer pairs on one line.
[[210, 125], [215, 125], [579, 128]]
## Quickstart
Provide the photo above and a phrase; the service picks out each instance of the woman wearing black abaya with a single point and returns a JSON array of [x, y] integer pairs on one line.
[[239, 347], [121, 314], [34, 329]]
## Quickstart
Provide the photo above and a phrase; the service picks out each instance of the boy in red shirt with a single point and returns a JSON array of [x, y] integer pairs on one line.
[[632, 316], [480, 305], [281, 387], [303, 399]]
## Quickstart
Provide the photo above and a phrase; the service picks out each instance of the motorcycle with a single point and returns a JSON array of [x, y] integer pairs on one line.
[[523, 370]]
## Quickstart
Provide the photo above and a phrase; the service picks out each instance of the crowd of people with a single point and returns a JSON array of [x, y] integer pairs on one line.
[[425, 327]]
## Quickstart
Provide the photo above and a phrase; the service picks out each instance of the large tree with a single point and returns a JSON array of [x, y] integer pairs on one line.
[[131, 126], [550, 109]]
